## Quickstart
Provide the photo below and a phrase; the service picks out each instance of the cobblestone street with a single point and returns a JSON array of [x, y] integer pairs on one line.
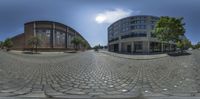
[[91, 74]]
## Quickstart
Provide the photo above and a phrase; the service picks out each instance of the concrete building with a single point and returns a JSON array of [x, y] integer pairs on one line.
[[134, 35], [53, 35]]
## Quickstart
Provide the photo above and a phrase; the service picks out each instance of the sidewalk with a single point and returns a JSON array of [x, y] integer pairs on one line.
[[135, 57], [21, 52]]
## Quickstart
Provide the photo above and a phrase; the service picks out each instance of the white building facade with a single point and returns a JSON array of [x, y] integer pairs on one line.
[[134, 35]]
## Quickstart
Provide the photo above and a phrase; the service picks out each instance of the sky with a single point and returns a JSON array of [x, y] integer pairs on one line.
[[92, 17]]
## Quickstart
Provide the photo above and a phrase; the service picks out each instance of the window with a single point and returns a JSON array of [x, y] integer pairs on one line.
[[152, 26], [134, 34], [59, 39], [132, 27], [138, 46], [48, 31], [115, 39], [142, 21], [140, 34], [45, 36], [152, 22], [133, 22], [143, 27], [138, 27], [152, 34]]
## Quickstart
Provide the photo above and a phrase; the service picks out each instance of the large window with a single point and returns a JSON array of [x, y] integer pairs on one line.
[[44, 35], [115, 39], [138, 27], [135, 34], [137, 21], [70, 38], [152, 27], [138, 46], [59, 39], [155, 47]]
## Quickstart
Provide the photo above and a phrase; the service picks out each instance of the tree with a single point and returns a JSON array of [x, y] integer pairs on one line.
[[77, 41], [85, 45], [197, 45], [96, 48], [1, 44], [169, 29], [34, 42], [183, 44], [8, 44]]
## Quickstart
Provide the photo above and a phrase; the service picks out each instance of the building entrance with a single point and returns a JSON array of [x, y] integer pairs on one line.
[[129, 48], [116, 47]]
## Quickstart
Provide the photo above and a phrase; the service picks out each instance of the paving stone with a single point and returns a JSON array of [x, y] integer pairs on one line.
[[95, 74]]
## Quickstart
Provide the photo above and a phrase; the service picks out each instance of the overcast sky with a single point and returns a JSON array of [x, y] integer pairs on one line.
[[92, 17]]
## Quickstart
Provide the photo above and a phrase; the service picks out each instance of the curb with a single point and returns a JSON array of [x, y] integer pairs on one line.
[[134, 58]]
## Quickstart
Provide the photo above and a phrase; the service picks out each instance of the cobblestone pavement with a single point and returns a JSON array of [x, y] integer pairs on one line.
[[91, 74]]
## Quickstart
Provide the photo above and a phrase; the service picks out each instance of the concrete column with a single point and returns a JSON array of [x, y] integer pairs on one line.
[[34, 31], [148, 47], [120, 46], [145, 47], [108, 47], [66, 38], [53, 35], [132, 47]]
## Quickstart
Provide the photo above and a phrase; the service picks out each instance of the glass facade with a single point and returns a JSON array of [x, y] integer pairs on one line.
[[134, 34], [155, 47], [70, 38], [59, 39], [136, 26], [138, 46], [44, 35]]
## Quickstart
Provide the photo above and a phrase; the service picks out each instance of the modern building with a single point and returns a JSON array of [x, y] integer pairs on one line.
[[134, 35], [53, 35]]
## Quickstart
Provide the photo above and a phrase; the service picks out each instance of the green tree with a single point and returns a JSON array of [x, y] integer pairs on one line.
[[8, 44], [34, 42], [77, 41], [183, 44], [85, 45], [169, 29], [1, 44], [197, 45], [97, 47]]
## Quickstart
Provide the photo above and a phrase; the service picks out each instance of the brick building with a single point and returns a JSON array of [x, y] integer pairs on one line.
[[53, 35]]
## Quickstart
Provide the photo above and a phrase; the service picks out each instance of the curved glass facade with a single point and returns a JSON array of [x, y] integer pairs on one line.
[[134, 34], [135, 26]]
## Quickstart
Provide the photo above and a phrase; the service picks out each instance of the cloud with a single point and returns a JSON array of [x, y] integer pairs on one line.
[[110, 16]]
